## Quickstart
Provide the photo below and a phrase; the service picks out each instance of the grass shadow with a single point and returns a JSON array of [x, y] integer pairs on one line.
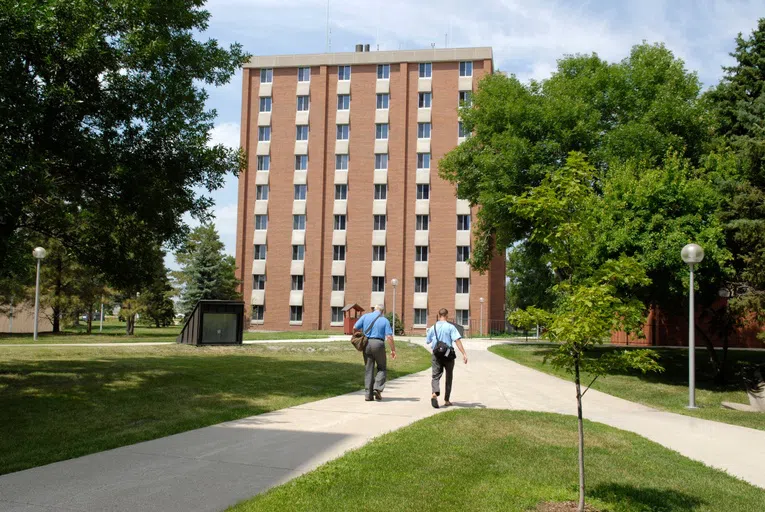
[[631, 497]]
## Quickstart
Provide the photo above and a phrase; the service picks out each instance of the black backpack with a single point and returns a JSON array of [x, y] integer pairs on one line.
[[442, 350]]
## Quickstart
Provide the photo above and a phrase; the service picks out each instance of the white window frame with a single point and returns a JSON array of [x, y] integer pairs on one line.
[[420, 221], [341, 162], [465, 314], [258, 281], [378, 253], [338, 283], [418, 285], [421, 97], [462, 285], [264, 134], [340, 222], [341, 73], [267, 101], [383, 98], [341, 103], [381, 131], [383, 71], [300, 190], [466, 68], [381, 191], [257, 252], [461, 249], [264, 163], [462, 218], [266, 75], [344, 188], [379, 220], [298, 253], [256, 313], [261, 222], [301, 162], [423, 191], [337, 319], [422, 128], [421, 158], [301, 129], [378, 283], [296, 314], [303, 103], [343, 130], [304, 74], [380, 159], [297, 221], [423, 314], [465, 99], [461, 133], [425, 70], [338, 253], [297, 283], [421, 253], [261, 192]]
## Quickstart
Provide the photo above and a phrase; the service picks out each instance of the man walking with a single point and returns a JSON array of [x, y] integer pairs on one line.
[[377, 329], [442, 337]]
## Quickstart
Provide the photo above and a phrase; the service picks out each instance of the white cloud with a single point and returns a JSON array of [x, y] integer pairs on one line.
[[226, 134]]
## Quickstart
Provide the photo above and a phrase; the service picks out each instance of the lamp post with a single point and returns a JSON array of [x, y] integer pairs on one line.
[[692, 254], [480, 329], [39, 253], [394, 282], [101, 326]]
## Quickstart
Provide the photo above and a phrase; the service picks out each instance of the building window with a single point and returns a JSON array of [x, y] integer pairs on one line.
[[341, 162], [426, 70], [462, 317], [258, 282], [264, 133], [337, 314], [383, 71], [300, 192], [378, 283], [463, 252], [301, 132], [381, 161], [343, 131], [265, 104], [341, 192], [304, 74], [463, 222], [338, 253], [298, 252], [338, 283], [423, 191], [381, 131], [461, 131], [383, 100], [423, 223], [378, 253], [297, 283], [260, 252], [301, 162], [425, 99], [381, 191], [466, 99], [463, 285], [379, 222], [264, 162], [339, 222], [261, 222], [423, 130], [421, 253], [466, 68], [423, 160], [257, 313], [420, 285], [420, 316], [266, 75], [298, 222], [303, 103], [343, 72], [261, 192], [343, 101], [296, 313]]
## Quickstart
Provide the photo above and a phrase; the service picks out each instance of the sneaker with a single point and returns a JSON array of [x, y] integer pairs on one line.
[[434, 403], [378, 395], [368, 399]]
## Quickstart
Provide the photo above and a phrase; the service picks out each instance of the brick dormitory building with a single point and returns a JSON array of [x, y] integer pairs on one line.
[[341, 192]]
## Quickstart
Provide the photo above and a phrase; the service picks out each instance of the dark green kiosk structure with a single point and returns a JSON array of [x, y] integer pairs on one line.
[[214, 322]]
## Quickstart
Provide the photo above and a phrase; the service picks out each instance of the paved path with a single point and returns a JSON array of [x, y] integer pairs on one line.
[[214, 467], [157, 343]]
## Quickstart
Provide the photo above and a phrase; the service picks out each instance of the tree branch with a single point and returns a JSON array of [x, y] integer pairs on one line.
[[590, 385]]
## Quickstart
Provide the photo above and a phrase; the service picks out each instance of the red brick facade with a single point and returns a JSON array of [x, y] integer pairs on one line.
[[320, 199]]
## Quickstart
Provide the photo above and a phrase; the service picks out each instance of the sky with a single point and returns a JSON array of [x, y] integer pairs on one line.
[[527, 36]]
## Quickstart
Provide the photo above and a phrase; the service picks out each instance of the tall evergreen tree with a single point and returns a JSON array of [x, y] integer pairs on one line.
[[207, 272]]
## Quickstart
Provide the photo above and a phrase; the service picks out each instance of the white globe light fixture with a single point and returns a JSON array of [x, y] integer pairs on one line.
[[692, 254], [39, 253]]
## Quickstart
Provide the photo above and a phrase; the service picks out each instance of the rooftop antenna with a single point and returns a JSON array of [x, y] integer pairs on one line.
[[433, 46], [446, 40], [329, 40]]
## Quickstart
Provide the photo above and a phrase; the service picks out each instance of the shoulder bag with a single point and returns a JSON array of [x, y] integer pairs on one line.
[[359, 338]]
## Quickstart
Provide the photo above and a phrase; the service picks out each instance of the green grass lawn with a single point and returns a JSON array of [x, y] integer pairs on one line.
[[667, 390], [59, 403], [510, 461], [114, 332]]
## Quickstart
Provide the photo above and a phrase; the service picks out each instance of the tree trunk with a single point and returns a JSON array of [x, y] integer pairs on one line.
[[130, 324], [90, 319], [713, 359], [581, 434]]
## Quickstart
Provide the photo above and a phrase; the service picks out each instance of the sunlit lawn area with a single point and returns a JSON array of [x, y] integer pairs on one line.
[[62, 402], [114, 332], [667, 390], [491, 460]]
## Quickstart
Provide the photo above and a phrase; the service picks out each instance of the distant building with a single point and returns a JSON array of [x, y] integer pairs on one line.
[[21, 319], [341, 193]]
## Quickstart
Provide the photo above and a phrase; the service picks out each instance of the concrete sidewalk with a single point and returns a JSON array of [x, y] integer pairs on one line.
[[159, 343], [214, 467]]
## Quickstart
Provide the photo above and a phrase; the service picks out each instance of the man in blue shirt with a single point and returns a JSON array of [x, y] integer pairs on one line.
[[378, 329], [447, 333]]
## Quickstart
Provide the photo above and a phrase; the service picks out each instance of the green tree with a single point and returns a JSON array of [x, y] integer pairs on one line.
[[530, 279], [103, 127], [594, 298], [739, 102], [642, 108], [156, 303], [206, 272]]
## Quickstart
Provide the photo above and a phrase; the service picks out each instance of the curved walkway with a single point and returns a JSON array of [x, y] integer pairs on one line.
[[214, 467]]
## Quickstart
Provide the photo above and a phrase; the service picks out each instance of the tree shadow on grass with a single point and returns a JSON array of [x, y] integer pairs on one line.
[[645, 499], [57, 409]]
